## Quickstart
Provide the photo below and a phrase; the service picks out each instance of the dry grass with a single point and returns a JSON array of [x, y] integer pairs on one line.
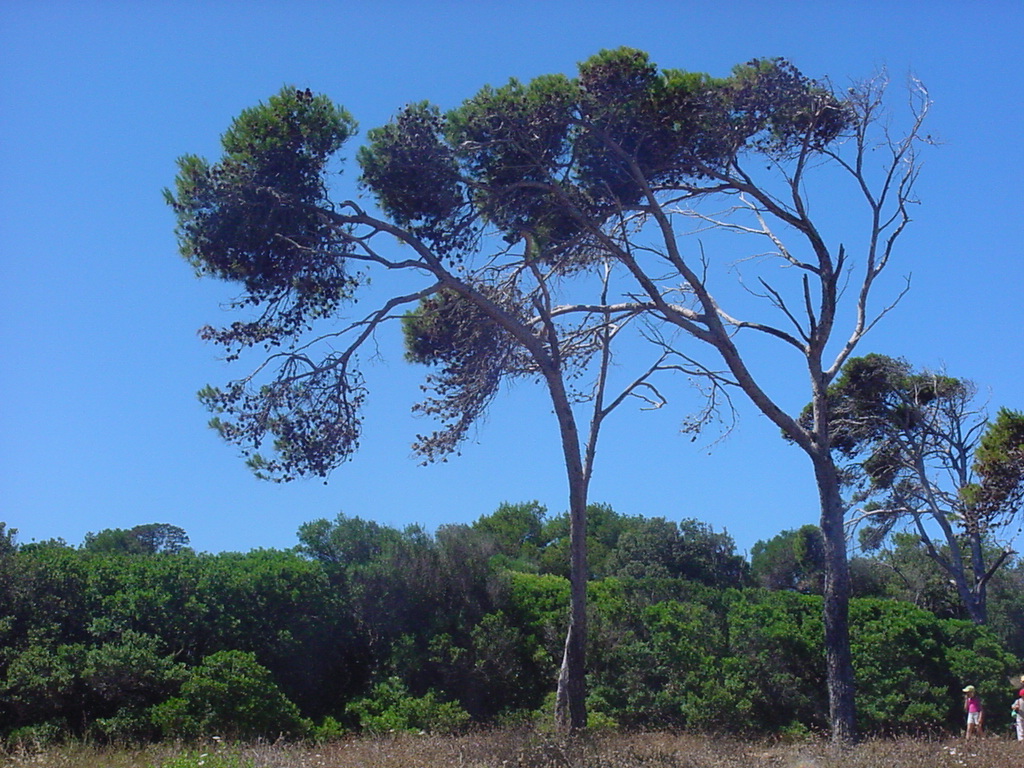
[[522, 749]]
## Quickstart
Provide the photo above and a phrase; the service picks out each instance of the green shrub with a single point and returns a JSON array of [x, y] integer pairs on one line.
[[390, 707], [773, 673], [94, 690], [901, 672], [230, 694], [36, 737], [128, 725], [328, 730], [598, 717], [649, 664]]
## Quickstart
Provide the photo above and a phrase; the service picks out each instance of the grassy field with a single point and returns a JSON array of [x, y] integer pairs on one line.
[[521, 749]]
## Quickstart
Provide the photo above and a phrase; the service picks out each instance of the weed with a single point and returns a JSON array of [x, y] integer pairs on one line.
[[525, 748], [192, 759]]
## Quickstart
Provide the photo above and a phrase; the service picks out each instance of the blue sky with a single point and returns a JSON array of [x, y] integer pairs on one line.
[[99, 424]]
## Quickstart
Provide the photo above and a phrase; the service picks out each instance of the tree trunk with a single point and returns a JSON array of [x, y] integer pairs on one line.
[[838, 658], [571, 696], [973, 599], [970, 586], [977, 607]]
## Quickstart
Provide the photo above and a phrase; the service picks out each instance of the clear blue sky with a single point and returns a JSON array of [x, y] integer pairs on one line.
[[99, 424]]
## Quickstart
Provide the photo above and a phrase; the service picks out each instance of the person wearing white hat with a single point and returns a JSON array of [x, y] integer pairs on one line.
[[975, 712]]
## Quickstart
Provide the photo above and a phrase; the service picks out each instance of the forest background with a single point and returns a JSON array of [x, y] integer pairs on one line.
[[133, 636]]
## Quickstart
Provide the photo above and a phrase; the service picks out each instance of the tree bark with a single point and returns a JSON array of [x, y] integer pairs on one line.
[[972, 598], [838, 657], [571, 695], [977, 608]]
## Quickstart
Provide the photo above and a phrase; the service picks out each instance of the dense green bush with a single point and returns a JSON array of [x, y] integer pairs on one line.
[[652, 665], [99, 689], [230, 695], [773, 673], [390, 707]]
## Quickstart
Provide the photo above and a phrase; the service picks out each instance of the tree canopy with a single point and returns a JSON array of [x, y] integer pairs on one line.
[[924, 455]]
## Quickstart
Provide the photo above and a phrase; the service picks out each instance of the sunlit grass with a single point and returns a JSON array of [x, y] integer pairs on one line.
[[524, 749]]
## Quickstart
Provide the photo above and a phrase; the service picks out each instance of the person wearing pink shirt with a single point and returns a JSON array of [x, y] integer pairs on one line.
[[975, 712]]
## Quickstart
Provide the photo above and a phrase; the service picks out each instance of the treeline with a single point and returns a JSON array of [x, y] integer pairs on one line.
[[132, 635]]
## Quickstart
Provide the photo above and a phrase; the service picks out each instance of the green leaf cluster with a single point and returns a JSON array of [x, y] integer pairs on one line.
[[544, 161], [999, 464], [256, 216], [229, 695], [390, 708]]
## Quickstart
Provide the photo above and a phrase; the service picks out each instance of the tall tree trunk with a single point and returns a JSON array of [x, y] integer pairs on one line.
[[571, 696], [838, 658], [972, 597], [970, 585], [977, 608]]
